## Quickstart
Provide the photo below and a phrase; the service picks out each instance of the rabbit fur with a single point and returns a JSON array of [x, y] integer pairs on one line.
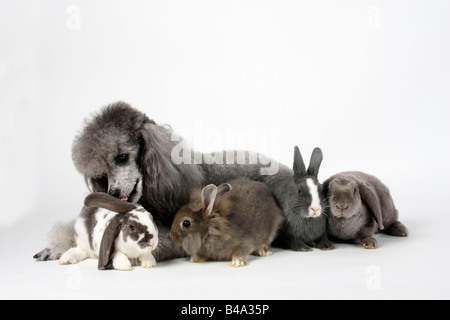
[[360, 206], [228, 222]]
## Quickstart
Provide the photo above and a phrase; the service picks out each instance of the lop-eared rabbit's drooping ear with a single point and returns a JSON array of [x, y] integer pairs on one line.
[[104, 200]]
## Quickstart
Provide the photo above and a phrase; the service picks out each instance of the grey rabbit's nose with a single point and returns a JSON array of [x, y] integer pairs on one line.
[[342, 206]]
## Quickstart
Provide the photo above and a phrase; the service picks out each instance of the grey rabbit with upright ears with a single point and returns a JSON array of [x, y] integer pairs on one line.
[[228, 222], [300, 195], [360, 206], [113, 231]]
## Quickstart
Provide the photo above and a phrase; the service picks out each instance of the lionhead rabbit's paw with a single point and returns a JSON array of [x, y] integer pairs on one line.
[[238, 262], [369, 243]]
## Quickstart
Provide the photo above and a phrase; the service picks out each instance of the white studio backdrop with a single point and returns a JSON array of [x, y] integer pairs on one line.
[[367, 81]]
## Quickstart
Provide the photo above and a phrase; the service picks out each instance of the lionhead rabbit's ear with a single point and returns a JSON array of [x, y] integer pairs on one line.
[[299, 164], [222, 189], [370, 199], [104, 200], [314, 164], [209, 194], [107, 245]]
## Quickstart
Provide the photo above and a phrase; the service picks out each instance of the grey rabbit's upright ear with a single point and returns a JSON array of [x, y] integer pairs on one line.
[[370, 199], [314, 163], [107, 245], [104, 200], [299, 164]]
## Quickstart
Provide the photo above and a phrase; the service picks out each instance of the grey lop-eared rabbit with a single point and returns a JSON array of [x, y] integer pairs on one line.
[[360, 206], [302, 200], [120, 148]]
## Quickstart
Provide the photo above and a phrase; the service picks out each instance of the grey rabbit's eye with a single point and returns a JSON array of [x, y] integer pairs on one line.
[[186, 224], [354, 190], [300, 192]]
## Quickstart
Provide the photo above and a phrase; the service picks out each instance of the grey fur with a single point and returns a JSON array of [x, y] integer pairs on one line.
[[301, 231], [360, 206], [119, 129]]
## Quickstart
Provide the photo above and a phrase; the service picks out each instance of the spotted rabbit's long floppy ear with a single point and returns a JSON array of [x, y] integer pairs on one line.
[[107, 245], [104, 200], [370, 199]]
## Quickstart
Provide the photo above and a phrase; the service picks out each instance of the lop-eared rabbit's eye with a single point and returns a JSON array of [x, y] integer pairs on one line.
[[186, 224], [122, 158], [132, 227]]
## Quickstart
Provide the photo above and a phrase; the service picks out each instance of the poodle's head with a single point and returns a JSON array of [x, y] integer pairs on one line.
[[108, 151]]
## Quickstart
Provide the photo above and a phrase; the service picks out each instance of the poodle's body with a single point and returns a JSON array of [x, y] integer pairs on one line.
[[120, 148]]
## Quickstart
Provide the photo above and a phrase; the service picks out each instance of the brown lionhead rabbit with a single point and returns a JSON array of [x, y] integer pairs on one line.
[[228, 222]]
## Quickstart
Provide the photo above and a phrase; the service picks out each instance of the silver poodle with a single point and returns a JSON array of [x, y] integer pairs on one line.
[[124, 153]]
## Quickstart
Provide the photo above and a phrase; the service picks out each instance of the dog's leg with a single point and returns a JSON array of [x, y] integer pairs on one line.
[[60, 239]]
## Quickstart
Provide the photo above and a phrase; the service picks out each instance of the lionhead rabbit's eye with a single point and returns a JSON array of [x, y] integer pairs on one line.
[[186, 224]]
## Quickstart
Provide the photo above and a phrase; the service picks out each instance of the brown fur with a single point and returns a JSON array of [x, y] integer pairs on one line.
[[242, 221]]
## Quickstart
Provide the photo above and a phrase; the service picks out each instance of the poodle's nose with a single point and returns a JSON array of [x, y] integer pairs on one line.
[[114, 192]]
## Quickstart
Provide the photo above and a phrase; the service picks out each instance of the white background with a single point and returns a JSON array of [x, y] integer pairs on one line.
[[367, 81]]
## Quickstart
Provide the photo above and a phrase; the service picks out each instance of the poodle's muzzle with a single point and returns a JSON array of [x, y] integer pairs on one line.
[[125, 184]]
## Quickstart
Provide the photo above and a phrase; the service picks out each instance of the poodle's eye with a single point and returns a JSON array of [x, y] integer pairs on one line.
[[186, 224], [122, 158]]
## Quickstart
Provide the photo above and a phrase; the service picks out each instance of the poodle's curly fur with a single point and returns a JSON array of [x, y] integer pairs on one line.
[[121, 150]]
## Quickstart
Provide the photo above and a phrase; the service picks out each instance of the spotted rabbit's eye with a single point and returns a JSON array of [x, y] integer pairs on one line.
[[132, 227], [186, 224]]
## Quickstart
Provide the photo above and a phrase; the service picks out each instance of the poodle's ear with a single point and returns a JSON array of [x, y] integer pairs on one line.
[[370, 199], [153, 149], [107, 245], [104, 200]]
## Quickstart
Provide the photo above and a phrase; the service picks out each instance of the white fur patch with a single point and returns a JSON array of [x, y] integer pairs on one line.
[[315, 209], [103, 217]]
